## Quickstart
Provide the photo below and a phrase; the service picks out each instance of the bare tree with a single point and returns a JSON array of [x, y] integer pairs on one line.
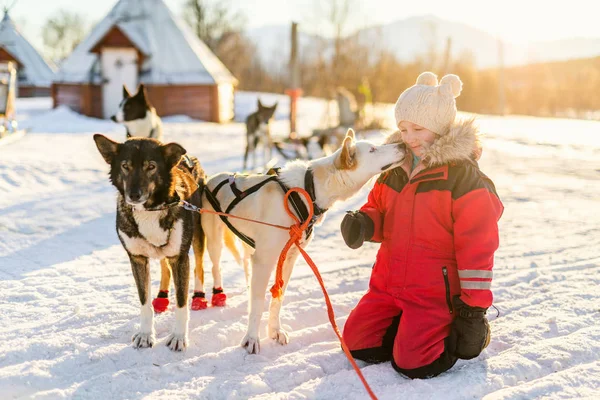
[[241, 58], [221, 29], [62, 32], [334, 18], [213, 21], [337, 13]]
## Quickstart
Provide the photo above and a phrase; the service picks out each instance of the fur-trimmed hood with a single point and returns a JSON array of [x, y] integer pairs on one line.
[[462, 142]]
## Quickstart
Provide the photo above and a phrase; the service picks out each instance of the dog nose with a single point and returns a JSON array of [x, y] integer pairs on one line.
[[135, 195]]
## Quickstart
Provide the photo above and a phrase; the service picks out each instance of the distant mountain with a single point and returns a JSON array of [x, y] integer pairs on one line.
[[414, 36]]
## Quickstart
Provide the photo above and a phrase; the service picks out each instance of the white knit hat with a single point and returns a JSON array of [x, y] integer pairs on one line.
[[428, 104]]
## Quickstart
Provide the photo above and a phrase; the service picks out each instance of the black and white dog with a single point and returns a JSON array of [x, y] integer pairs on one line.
[[151, 178], [258, 131], [138, 115]]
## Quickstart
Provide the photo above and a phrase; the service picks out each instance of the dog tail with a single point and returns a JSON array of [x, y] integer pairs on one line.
[[229, 238]]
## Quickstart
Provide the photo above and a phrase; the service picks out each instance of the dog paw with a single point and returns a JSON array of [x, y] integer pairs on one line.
[[279, 335], [177, 342], [251, 344], [142, 339]]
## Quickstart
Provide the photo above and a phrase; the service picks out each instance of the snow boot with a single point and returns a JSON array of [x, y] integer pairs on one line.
[[161, 302], [199, 301], [219, 298]]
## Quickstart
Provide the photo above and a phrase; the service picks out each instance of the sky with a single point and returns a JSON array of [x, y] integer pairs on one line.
[[510, 20]]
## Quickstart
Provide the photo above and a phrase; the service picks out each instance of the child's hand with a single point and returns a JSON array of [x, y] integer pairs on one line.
[[470, 332], [356, 228]]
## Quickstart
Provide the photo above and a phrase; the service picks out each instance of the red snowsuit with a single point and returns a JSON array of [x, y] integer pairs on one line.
[[438, 232]]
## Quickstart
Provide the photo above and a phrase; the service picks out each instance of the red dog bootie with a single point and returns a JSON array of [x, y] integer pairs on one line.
[[199, 301], [219, 298], [161, 302]]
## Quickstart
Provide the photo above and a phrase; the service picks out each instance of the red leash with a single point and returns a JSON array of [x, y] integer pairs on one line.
[[296, 232]]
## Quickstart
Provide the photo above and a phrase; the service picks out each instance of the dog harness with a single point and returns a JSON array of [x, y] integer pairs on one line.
[[295, 200]]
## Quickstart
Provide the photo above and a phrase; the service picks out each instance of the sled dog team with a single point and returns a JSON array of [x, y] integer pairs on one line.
[[431, 208]]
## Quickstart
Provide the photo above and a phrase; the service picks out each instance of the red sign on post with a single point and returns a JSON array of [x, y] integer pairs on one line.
[[294, 95]]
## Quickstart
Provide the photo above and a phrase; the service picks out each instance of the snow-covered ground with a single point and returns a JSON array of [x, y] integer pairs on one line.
[[68, 304]]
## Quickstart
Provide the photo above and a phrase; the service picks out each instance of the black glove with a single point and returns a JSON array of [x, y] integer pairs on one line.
[[356, 228], [470, 332]]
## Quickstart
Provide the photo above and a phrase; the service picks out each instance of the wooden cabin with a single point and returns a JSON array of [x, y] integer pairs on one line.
[[34, 73], [140, 41]]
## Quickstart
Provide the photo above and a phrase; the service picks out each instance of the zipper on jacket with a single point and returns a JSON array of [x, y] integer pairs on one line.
[[447, 284]]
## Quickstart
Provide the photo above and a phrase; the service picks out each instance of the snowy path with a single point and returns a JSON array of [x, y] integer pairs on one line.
[[68, 305]]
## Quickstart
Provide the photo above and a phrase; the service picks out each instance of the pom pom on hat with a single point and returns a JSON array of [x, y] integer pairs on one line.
[[427, 79], [454, 83]]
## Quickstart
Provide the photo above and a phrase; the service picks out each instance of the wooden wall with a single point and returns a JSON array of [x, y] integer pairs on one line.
[[33, 91], [95, 101], [84, 99], [193, 101], [198, 102]]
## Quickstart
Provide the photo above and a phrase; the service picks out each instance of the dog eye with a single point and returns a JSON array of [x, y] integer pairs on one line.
[[124, 166], [151, 167]]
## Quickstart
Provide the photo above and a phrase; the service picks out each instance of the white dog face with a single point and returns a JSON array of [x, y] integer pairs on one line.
[[362, 160]]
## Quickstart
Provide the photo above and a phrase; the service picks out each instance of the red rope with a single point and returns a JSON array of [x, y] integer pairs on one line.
[[296, 232], [205, 211]]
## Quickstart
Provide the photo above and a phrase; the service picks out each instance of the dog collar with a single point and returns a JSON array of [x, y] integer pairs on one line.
[[309, 185], [165, 206]]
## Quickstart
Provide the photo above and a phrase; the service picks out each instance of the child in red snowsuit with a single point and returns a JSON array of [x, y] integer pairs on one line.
[[436, 217]]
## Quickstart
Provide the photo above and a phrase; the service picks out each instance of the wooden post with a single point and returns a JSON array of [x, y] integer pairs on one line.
[[294, 90], [447, 56]]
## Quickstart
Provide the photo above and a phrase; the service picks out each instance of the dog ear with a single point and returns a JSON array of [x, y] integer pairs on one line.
[[126, 94], [259, 104], [274, 106], [351, 134], [346, 158], [107, 147], [142, 93], [172, 152]]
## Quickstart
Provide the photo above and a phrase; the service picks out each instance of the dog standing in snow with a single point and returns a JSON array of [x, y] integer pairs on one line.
[[258, 132], [151, 179], [328, 179], [138, 115]]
